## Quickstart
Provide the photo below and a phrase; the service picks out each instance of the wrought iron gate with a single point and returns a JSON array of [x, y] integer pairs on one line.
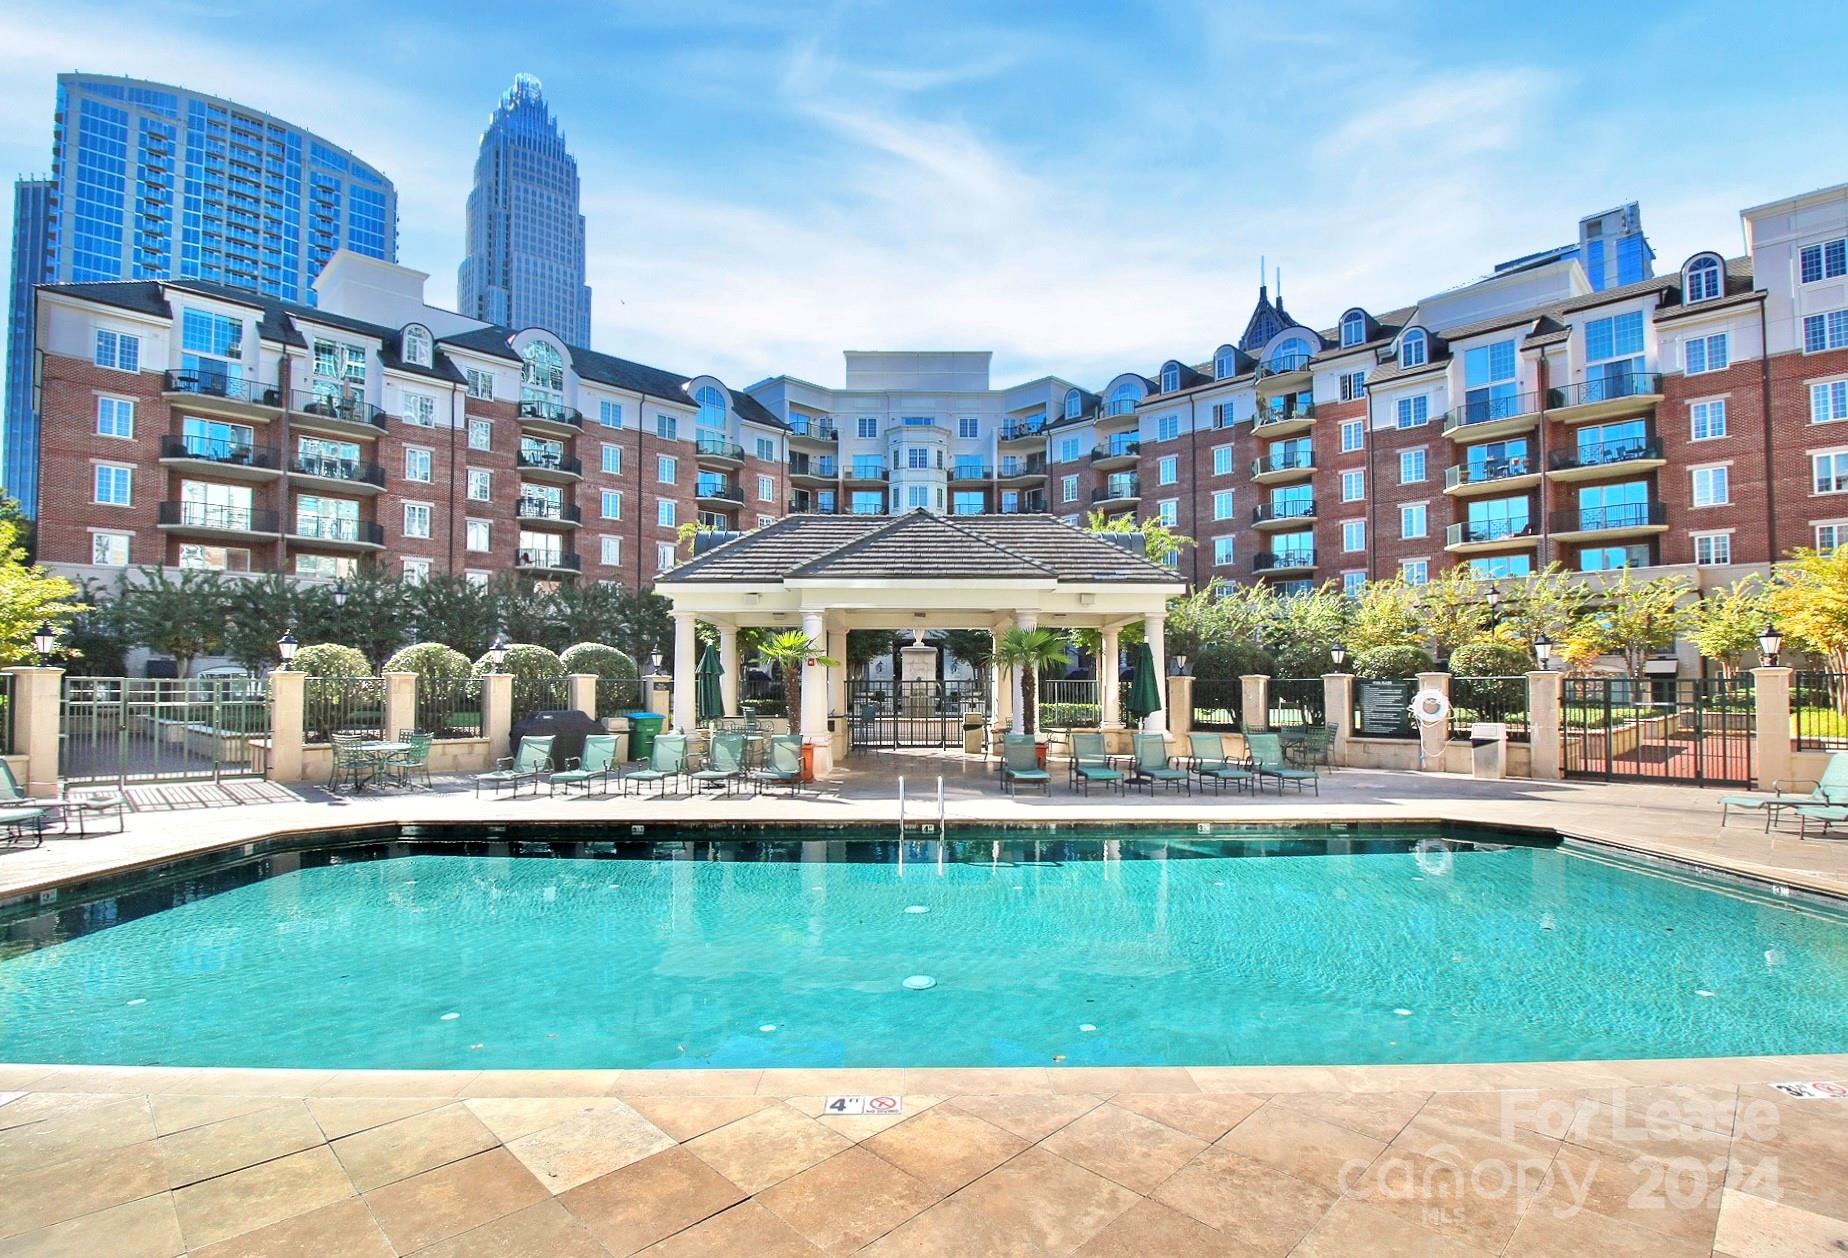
[[1696, 731], [143, 729], [912, 713]]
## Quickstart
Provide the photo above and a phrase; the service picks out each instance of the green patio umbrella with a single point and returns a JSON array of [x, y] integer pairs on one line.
[[707, 700], [1144, 686]]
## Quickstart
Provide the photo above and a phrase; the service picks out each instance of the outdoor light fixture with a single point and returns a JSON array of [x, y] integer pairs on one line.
[[1770, 642], [44, 640], [1338, 654], [498, 651], [1494, 600], [654, 661], [1543, 650], [286, 646], [340, 594]]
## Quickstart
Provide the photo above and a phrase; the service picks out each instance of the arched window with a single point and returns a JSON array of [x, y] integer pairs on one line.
[[1289, 354], [542, 374], [1225, 363], [711, 410], [417, 345], [1170, 377], [1414, 349], [1353, 328], [1123, 399], [1074, 404], [1703, 279]]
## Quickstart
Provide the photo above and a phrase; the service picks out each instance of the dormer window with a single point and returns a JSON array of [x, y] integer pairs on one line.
[[1353, 328], [1701, 281], [1171, 378], [1074, 404], [1123, 399], [417, 346], [1414, 349], [1225, 363]]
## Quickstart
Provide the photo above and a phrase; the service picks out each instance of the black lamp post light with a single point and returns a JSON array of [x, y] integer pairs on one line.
[[340, 595], [1543, 651], [45, 640], [1770, 642], [497, 652], [286, 646], [1338, 654]]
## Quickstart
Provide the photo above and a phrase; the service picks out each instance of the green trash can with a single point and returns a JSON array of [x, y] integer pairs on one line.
[[643, 726]]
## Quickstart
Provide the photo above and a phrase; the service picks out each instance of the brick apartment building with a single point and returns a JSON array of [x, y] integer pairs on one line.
[[1561, 409]]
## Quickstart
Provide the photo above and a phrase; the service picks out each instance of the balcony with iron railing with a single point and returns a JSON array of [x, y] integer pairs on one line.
[[531, 510], [1273, 515], [216, 518], [1622, 519], [1282, 465], [1025, 504], [718, 450], [1283, 372], [352, 414], [717, 489], [1284, 421], [801, 505], [1119, 489], [1490, 476], [218, 456], [1119, 451], [549, 466], [543, 412], [1604, 397], [211, 386], [813, 429], [563, 561], [1294, 560], [337, 531], [804, 467], [353, 474], [867, 472], [1469, 535], [1032, 468], [971, 472], [1022, 429], [1594, 459], [1479, 419]]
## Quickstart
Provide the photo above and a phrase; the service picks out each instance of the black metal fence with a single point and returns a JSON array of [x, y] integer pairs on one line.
[[6, 714], [1697, 730], [133, 729], [1819, 711], [617, 696], [763, 694], [342, 705], [1297, 701], [1501, 699], [539, 694], [1218, 703], [912, 713], [451, 708]]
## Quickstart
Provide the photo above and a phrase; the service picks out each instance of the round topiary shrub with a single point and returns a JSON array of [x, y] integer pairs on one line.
[[1383, 662], [332, 701], [330, 659], [538, 677], [596, 658], [431, 661], [1490, 659]]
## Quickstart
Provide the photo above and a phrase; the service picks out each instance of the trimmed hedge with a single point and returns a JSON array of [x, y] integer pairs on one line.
[[1391, 662], [431, 661], [606, 662]]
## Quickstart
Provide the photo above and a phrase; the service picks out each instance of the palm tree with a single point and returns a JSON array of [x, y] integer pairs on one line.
[[791, 651], [1028, 651]]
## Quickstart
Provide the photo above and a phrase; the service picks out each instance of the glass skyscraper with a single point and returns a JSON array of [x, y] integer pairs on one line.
[[150, 181], [525, 261]]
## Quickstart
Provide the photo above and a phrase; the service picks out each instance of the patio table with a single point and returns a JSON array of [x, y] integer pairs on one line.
[[379, 752]]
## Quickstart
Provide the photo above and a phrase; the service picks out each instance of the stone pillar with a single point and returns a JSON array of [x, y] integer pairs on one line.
[[1154, 632], [1544, 714], [582, 688], [1338, 711], [288, 691], [400, 702], [815, 696], [728, 661], [998, 683], [657, 692], [1771, 694], [837, 688], [1180, 707], [1026, 621], [38, 699], [1109, 664], [686, 662], [497, 713], [1254, 702], [1439, 682]]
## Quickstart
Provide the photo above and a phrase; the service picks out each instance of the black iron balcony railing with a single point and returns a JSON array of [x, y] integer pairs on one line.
[[1620, 515], [549, 462], [1487, 470], [714, 487], [1303, 510], [1604, 389], [820, 429], [212, 384], [546, 509], [551, 412], [811, 506], [1120, 447], [220, 450], [1487, 531], [1116, 489], [971, 472], [552, 560], [803, 465], [354, 470], [1026, 504], [717, 448], [1287, 461], [1019, 429], [867, 471], [1283, 365], [1015, 468], [1267, 416], [1267, 560], [1487, 410], [347, 410], [212, 515], [333, 528], [1604, 453]]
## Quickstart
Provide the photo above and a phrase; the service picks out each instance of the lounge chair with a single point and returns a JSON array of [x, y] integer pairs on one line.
[[784, 767], [1154, 764], [1020, 763], [1830, 789], [724, 763], [530, 763], [1824, 815], [595, 765], [21, 809], [667, 762], [1208, 762], [15, 822], [1267, 762], [1091, 763]]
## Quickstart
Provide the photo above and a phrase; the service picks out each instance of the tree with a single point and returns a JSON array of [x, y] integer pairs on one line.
[[29, 597], [974, 647], [1638, 618], [792, 652], [1551, 601], [431, 661], [866, 645], [1809, 596], [1158, 540], [1453, 608], [94, 642], [183, 618], [1725, 624], [258, 611], [1386, 614], [1025, 652], [1405, 659], [376, 618], [1303, 628], [528, 612], [450, 610]]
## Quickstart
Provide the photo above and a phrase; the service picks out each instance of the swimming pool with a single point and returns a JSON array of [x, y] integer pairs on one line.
[[1282, 946]]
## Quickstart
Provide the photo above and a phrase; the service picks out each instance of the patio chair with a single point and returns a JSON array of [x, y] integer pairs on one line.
[[1208, 762], [1020, 763], [724, 763], [413, 762], [1091, 763], [595, 765], [784, 767], [350, 765], [1316, 747], [64, 809], [1154, 764], [1830, 789], [531, 763], [1267, 762], [1824, 815], [15, 822], [667, 761]]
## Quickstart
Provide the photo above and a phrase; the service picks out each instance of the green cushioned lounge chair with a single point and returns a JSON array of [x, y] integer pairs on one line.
[[1154, 764], [531, 763], [784, 766], [595, 765], [1091, 763], [1020, 763], [1821, 815], [1209, 762], [17, 823], [724, 763], [667, 762], [1267, 762], [1830, 789]]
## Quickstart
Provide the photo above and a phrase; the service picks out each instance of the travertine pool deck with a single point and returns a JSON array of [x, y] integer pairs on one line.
[[1659, 1157]]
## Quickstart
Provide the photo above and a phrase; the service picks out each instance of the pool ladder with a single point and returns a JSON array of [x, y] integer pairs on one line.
[[926, 824]]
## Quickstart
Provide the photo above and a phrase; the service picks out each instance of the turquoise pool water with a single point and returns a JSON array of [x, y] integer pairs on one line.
[[749, 955]]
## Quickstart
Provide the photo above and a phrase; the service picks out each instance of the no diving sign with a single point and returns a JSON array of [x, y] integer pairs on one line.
[[841, 1105], [1813, 1090]]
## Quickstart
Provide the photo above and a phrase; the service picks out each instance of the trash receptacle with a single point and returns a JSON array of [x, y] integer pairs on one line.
[[1488, 749], [643, 726], [974, 734]]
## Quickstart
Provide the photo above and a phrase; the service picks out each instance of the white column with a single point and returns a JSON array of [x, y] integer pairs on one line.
[[728, 660], [1026, 622], [998, 685], [1154, 629], [837, 676], [1108, 662], [814, 682], [686, 661]]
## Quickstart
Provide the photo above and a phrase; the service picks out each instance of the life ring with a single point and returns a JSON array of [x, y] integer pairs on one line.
[[1428, 707]]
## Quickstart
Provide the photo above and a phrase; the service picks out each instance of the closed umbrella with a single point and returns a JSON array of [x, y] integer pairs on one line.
[[1144, 686], [707, 701]]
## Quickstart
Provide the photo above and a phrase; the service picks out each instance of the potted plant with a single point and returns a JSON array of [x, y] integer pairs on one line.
[[792, 652], [1026, 651]]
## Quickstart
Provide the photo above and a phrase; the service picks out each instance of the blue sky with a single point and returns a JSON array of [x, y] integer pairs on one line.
[[1081, 188]]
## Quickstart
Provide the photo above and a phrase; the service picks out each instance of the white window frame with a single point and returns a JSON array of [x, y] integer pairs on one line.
[[1708, 471], [667, 469], [429, 464], [1415, 571], [1068, 489], [664, 556], [128, 483], [1222, 460], [612, 466], [766, 489], [1828, 392], [1424, 466], [485, 428], [1421, 512], [1713, 561], [1225, 551], [478, 476], [667, 513], [1710, 407], [607, 543], [605, 498], [1353, 536], [480, 384], [112, 535], [119, 405], [1168, 470], [1223, 504], [411, 511], [478, 528], [1706, 343], [1353, 435]]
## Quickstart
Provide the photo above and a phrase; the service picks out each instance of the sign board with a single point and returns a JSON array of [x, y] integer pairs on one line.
[[1814, 1090], [1384, 708], [838, 1106]]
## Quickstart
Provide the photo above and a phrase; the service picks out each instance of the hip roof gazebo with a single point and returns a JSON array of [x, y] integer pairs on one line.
[[826, 574]]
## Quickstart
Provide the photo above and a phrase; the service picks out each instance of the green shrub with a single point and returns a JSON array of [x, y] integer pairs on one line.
[[532, 667], [1490, 659], [1232, 659], [1069, 715], [431, 661], [330, 659], [1383, 662], [605, 662]]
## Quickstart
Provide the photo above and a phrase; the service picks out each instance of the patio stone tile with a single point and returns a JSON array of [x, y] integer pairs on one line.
[[35, 1107], [687, 1083], [344, 1228], [1148, 1227], [1380, 1115], [767, 1147], [1055, 1204], [395, 1083], [1751, 1226], [848, 1201], [115, 1080], [453, 1199], [945, 1148], [257, 1196], [1122, 1146], [1353, 1228], [545, 1230], [787, 1083], [650, 1200], [953, 1229], [22, 1077], [1708, 1107], [398, 1150], [1440, 1196], [1308, 1148], [1544, 1230], [1624, 1132], [39, 1198], [345, 1116], [543, 1083], [967, 1080], [1467, 1146], [1513, 1114], [1203, 1116], [1254, 1203], [1030, 1117], [745, 1229], [145, 1228], [1791, 1177], [245, 1082], [1105, 1080], [582, 1148], [859, 1127], [509, 1118], [684, 1117], [59, 1137], [1264, 1079], [1683, 1203], [234, 1143], [173, 1113]]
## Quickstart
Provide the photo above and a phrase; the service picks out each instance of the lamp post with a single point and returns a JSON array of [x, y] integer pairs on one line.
[[1543, 651], [340, 595], [1494, 599], [497, 652], [654, 662], [1770, 642], [286, 646], [1338, 654], [44, 640]]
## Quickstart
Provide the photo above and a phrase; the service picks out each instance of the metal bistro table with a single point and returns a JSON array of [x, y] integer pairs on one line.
[[380, 753]]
